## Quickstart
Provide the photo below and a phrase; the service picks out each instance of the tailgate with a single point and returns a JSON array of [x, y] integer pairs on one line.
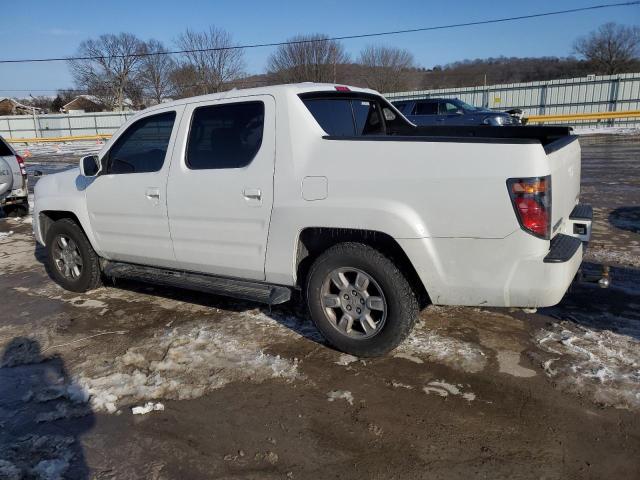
[[565, 162], [6, 178]]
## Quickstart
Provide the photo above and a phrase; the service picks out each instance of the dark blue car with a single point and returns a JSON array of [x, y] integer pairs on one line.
[[451, 111]]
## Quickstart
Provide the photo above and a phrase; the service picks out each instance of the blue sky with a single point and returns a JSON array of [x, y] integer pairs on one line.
[[43, 28]]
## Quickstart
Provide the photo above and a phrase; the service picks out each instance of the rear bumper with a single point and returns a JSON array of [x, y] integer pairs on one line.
[[515, 271]]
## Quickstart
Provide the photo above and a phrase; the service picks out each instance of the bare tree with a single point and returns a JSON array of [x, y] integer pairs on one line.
[[155, 71], [212, 57], [113, 66], [611, 49], [386, 67], [310, 58]]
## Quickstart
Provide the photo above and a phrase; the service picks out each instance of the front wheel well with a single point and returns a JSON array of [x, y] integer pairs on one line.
[[49, 217], [313, 241]]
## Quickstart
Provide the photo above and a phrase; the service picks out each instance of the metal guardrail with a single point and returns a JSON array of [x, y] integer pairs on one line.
[[582, 116], [59, 139], [530, 119]]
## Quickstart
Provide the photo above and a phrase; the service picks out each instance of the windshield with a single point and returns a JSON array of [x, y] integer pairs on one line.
[[465, 106]]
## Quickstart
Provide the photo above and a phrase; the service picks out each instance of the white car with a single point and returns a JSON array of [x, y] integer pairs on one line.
[[13, 193], [330, 190]]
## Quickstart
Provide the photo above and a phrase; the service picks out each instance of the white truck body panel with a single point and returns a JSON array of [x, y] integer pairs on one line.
[[445, 202]]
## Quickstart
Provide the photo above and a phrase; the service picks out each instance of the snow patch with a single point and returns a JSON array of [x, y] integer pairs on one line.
[[601, 363], [450, 351], [181, 364], [148, 407], [444, 389], [340, 395], [5, 234], [346, 359], [606, 130]]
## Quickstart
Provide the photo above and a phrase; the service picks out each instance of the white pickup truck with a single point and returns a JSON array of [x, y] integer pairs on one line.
[[327, 189]]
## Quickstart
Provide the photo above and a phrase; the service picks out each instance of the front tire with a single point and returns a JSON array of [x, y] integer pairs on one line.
[[359, 300], [71, 260]]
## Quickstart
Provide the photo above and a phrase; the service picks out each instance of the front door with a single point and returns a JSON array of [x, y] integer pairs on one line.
[[127, 201], [220, 190]]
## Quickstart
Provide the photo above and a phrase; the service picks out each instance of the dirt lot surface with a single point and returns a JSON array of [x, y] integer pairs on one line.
[[238, 391]]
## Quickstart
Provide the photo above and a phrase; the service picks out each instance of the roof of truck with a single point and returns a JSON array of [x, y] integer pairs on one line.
[[295, 88]]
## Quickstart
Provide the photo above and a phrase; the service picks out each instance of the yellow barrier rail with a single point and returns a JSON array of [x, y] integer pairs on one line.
[[59, 139], [582, 116]]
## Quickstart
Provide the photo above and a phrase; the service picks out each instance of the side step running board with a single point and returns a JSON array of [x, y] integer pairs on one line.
[[230, 287]]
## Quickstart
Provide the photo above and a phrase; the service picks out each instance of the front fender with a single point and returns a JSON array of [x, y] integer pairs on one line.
[[63, 193]]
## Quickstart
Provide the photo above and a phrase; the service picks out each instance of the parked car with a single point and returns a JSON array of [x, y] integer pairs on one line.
[[451, 111], [15, 201], [328, 190]]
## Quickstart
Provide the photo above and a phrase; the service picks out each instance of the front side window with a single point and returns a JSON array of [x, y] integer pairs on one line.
[[225, 136], [448, 108], [426, 108], [367, 118], [143, 146]]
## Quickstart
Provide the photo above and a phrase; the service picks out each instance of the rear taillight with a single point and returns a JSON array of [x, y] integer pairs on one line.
[[531, 199], [23, 170]]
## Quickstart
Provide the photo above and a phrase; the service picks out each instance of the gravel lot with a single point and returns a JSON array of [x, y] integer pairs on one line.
[[239, 391]]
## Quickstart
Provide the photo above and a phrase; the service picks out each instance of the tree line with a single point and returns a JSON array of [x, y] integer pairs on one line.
[[116, 68]]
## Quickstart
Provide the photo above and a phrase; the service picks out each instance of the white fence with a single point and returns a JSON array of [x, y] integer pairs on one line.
[[61, 125], [593, 94]]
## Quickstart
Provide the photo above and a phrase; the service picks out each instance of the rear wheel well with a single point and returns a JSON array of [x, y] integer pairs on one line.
[[315, 240], [48, 217]]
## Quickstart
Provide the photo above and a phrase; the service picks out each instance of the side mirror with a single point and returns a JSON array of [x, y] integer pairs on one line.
[[38, 173], [89, 166]]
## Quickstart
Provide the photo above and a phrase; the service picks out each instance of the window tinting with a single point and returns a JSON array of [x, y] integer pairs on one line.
[[333, 115], [143, 146], [225, 136], [448, 108], [426, 108], [367, 117], [5, 151]]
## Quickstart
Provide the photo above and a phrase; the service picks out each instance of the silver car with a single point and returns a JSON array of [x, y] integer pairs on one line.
[[14, 200]]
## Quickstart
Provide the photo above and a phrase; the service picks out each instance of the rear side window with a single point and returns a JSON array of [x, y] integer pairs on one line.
[[426, 108], [334, 115], [345, 117], [225, 136], [5, 151], [143, 146], [367, 117]]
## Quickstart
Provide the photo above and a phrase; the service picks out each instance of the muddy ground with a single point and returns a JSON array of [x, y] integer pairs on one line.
[[239, 391]]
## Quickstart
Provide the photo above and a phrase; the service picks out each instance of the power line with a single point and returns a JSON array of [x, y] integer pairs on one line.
[[344, 37]]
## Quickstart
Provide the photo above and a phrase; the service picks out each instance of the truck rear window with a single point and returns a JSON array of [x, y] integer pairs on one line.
[[346, 117]]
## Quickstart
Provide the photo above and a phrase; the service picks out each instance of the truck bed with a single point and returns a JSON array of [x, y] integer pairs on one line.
[[544, 135]]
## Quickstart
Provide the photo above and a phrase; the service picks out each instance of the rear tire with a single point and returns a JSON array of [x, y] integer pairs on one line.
[[71, 260], [359, 300]]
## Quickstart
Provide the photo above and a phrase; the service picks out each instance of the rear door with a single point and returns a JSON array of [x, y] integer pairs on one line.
[[425, 112], [127, 202], [220, 189]]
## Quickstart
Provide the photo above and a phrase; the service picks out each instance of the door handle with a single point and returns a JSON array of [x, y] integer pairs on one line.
[[153, 194], [252, 193]]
